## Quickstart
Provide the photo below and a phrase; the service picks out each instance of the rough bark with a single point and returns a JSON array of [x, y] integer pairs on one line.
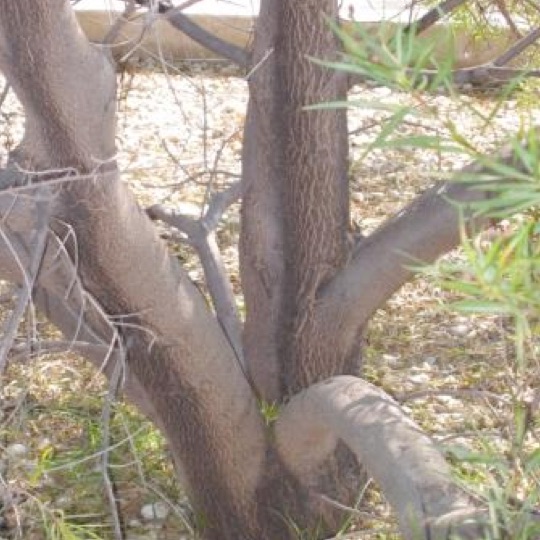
[[295, 211], [418, 234], [315, 190], [261, 237]]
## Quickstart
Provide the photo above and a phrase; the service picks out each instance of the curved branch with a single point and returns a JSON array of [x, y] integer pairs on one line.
[[411, 472]]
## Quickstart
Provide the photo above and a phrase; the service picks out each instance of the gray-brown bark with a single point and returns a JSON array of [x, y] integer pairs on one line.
[[261, 239], [295, 209]]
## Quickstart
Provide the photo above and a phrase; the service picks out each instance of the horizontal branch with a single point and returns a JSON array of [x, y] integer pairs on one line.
[[410, 470], [482, 76]]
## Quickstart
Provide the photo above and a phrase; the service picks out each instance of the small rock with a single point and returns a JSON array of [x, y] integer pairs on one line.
[[64, 501], [155, 511], [430, 361], [189, 209], [460, 330], [419, 378], [391, 359], [45, 443]]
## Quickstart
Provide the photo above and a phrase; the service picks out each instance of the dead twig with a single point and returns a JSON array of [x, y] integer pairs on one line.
[[120, 22], [39, 241], [106, 416]]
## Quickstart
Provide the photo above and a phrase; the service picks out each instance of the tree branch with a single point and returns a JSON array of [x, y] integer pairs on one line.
[[517, 48], [177, 351], [503, 9], [208, 40], [201, 235], [422, 231], [482, 76], [411, 472], [119, 23], [433, 15], [38, 241], [261, 245]]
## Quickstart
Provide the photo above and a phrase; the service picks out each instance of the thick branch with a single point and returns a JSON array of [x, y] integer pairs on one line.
[[175, 346], [425, 229], [41, 44], [261, 233], [402, 460]]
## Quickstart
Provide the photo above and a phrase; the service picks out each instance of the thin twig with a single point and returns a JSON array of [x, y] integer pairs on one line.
[[201, 235], [120, 22], [39, 241], [258, 65], [40, 347], [106, 416]]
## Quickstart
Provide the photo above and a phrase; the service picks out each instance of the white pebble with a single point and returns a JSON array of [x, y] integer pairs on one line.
[[155, 511], [16, 450]]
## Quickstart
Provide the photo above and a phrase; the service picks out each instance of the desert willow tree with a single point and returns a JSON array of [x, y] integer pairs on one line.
[[77, 245]]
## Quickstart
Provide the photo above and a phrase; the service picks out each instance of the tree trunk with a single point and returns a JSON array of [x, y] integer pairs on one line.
[[295, 211]]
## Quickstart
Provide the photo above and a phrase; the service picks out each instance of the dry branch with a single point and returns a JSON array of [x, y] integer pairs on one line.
[[517, 48], [29, 275], [119, 23]]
